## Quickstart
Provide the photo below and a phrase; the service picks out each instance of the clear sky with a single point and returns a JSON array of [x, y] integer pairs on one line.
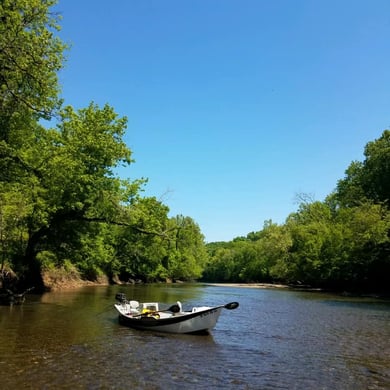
[[234, 106]]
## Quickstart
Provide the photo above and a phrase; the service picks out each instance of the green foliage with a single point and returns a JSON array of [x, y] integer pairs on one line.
[[71, 186], [187, 257], [258, 258], [30, 57], [13, 212], [343, 242], [376, 173], [60, 200], [156, 247], [142, 243], [369, 180], [365, 235], [62, 207], [48, 260], [222, 266]]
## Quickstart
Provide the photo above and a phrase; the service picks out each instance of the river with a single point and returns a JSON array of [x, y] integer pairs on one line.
[[276, 339]]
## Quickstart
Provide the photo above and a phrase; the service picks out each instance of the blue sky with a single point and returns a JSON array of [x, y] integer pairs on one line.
[[234, 107]]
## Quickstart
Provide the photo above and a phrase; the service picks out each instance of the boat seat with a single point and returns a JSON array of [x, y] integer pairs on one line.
[[149, 307], [134, 305]]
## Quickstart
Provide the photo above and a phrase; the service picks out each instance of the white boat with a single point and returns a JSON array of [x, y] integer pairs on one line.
[[159, 317]]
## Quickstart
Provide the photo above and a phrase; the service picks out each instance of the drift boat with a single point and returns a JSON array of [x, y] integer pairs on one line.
[[153, 316]]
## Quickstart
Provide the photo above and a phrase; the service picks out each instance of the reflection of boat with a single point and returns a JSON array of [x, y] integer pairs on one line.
[[160, 317], [8, 297]]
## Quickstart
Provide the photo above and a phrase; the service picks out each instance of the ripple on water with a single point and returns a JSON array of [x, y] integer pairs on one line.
[[274, 340]]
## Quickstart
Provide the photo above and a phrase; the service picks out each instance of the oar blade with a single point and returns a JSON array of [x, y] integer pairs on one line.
[[231, 305]]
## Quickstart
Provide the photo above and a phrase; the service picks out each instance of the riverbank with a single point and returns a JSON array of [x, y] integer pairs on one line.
[[361, 294], [268, 285], [60, 279], [249, 285]]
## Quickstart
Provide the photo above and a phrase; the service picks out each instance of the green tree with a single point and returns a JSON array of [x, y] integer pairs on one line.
[[362, 257], [367, 180], [376, 175], [73, 184], [13, 212], [275, 245], [309, 229], [188, 256], [61, 203], [143, 241], [222, 266], [30, 57]]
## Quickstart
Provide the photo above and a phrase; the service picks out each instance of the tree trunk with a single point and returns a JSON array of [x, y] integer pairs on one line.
[[34, 274]]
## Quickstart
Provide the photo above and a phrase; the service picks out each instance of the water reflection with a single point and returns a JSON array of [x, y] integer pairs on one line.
[[275, 339]]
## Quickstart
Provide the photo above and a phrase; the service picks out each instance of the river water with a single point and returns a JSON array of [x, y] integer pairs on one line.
[[276, 339]]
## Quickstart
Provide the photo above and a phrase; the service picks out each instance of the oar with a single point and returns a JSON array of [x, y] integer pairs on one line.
[[173, 309], [231, 305]]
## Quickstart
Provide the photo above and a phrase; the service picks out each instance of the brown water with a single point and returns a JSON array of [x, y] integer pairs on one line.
[[276, 339]]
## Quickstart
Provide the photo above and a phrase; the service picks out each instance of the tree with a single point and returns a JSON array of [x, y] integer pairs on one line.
[[30, 57], [71, 184], [60, 200], [376, 172], [309, 229], [222, 265], [367, 180], [362, 258], [142, 243], [13, 212], [187, 257]]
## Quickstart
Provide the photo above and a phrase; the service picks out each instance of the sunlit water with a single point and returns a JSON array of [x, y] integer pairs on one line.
[[276, 339]]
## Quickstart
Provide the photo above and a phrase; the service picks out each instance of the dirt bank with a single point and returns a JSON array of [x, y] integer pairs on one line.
[[60, 280]]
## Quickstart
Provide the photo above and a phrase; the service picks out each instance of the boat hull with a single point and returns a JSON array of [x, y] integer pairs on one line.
[[187, 322]]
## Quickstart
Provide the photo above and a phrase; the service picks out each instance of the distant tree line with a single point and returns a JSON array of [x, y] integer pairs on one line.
[[340, 243], [62, 207]]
